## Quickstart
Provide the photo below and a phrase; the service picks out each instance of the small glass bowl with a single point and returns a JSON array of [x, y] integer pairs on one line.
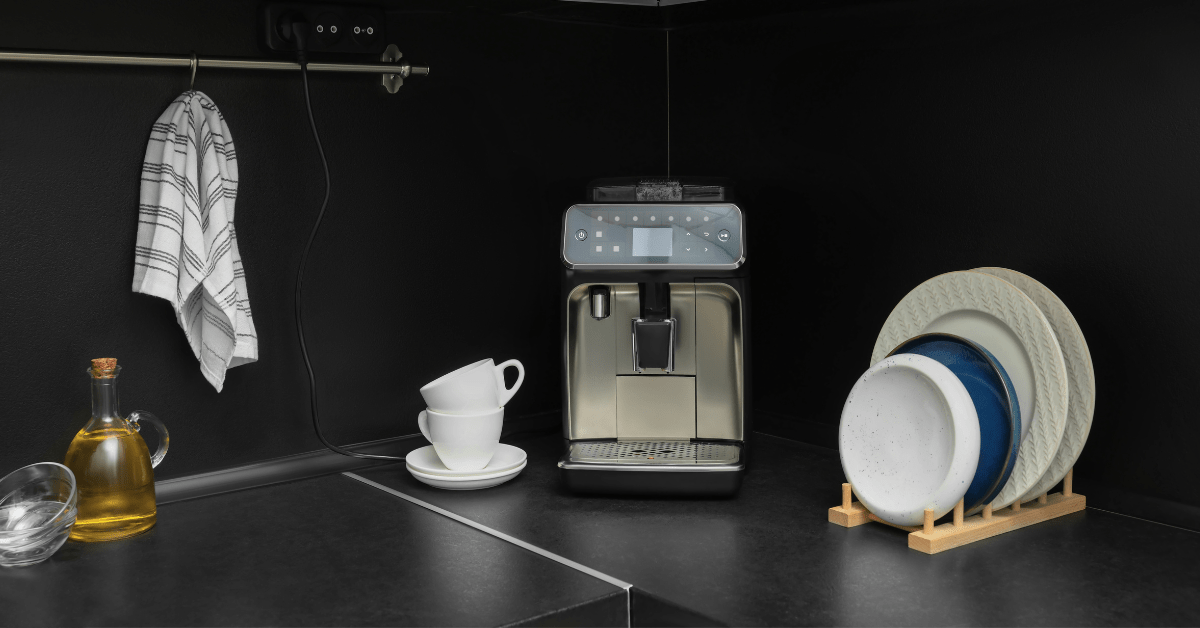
[[38, 506]]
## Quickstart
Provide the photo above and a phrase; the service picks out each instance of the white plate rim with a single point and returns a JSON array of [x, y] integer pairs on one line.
[[452, 473], [969, 290], [470, 478], [966, 446], [1081, 402]]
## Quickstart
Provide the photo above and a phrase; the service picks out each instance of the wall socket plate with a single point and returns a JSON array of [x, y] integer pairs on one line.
[[335, 28]]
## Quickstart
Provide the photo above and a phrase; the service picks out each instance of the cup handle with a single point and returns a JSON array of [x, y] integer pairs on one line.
[[423, 424], [509, 392], [163, 438]]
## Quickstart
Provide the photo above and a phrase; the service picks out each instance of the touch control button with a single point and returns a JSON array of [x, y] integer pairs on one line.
[[581, 235], [723, 235]]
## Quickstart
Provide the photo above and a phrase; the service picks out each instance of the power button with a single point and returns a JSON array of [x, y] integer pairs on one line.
[[581, 235]]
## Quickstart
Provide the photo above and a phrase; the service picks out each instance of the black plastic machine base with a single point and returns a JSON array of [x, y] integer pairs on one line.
[[660, 483]]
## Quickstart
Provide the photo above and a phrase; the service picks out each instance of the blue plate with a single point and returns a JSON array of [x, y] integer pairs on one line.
[[995, 403]]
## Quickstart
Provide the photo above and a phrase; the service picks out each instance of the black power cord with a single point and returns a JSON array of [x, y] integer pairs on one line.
[[300, 34]]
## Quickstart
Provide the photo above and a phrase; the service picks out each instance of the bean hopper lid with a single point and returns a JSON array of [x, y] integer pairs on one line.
[[660, 190]]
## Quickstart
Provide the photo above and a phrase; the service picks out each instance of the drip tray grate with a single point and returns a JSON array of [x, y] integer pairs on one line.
[[654, 452]]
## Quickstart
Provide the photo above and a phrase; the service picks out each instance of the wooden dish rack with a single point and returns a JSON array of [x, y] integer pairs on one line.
[[959, 532]]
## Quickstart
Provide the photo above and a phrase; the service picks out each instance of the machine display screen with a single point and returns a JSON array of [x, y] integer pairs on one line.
[[651, 236], [653, 242]]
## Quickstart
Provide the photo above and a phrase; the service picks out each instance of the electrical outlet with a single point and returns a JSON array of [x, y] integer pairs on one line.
[[365, 30], [329, 29], [335, 28]]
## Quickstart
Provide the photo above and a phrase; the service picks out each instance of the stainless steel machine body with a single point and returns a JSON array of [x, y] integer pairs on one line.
[[655, 330]]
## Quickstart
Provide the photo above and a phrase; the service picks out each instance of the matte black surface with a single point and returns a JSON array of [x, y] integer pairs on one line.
[[770, 556], [650, 610], [446, 196], [276, 471], [883, 144], [322, 552], [310, 464], [610, 610]]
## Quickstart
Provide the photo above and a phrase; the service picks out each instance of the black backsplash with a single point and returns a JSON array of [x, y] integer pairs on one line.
[[873, 145], [438, 249], [878, 146]]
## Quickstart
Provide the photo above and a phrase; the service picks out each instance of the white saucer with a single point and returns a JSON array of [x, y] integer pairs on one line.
[[425, 460], [467, 483]]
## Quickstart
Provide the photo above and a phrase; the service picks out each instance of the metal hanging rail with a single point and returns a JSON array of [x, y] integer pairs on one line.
[[386, 69]]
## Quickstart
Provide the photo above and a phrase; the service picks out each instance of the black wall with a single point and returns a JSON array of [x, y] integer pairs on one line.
[[439, 247], [875, 145], [879, 145]]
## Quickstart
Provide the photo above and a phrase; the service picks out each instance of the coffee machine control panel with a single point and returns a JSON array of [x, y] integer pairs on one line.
[[645, 236]]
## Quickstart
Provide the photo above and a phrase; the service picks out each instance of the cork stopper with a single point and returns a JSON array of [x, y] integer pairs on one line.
[[104, 368]]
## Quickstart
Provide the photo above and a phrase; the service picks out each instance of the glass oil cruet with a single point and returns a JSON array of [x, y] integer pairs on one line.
[[112, 465]]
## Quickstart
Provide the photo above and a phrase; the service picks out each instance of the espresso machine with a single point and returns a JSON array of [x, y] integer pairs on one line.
[[655, 329]]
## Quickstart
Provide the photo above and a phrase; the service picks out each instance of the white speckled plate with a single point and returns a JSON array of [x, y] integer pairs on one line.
[[909, 439], [999, 316], [1080, 375]]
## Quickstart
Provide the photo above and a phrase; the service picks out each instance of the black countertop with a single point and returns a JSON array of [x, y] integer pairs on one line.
[[321, 552], [770, 557], [336, 551]]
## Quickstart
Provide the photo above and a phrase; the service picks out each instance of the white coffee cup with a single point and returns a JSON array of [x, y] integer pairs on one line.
[[464, 442], [477, 387]]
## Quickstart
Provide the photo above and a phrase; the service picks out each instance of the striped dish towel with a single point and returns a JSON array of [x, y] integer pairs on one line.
[[187, 250]]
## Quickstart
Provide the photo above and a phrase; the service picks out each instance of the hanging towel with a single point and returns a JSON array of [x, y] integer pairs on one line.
[[187, 250]]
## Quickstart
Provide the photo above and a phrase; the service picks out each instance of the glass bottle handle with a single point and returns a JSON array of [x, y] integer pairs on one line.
[[163, 438]]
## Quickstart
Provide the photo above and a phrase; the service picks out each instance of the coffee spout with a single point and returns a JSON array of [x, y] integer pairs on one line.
[[654, 331]]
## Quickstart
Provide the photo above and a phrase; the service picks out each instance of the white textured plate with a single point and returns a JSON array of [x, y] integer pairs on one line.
[[997, 315], [467, 483], [425, 460], [1080, 375], [909, 439]]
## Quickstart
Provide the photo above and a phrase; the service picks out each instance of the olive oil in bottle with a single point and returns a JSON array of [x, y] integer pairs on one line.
[[113, 468]]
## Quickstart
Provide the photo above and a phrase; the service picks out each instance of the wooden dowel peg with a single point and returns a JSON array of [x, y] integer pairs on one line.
[[1016, 507], [846, 496], [987, 512], [1042, 499], [1067, 483], [928, 521], [958, 513]]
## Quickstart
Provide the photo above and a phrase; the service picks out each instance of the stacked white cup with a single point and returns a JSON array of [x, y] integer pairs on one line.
[[466, 412]]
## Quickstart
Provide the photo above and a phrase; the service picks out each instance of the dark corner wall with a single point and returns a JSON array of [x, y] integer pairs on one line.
[[874, 145], [438, 249], [879, 144]]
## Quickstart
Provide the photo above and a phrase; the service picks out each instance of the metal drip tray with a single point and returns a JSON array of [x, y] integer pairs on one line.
[[656, 455]]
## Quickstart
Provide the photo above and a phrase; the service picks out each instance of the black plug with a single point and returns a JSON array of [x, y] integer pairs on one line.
[[300, 33], [293, 27]]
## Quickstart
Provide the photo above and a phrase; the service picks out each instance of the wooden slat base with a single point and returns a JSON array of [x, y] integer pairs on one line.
[[949, 536], [971, 529]]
